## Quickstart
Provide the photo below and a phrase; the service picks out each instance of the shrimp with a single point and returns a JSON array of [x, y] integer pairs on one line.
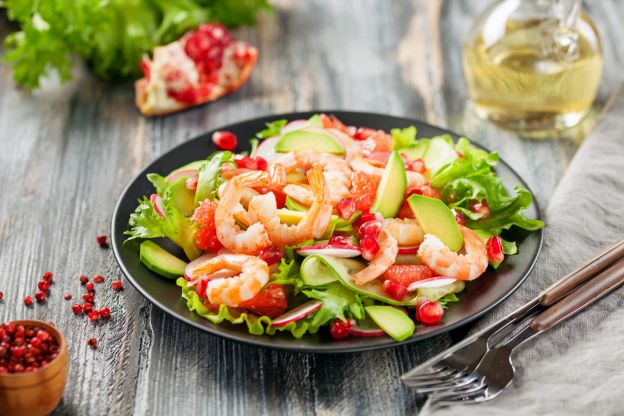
[[232, 291], [336, 171], [263, 208], [406, 231], [352, 147], [443, 261], [384, 258], [255, 238], [414, 179]]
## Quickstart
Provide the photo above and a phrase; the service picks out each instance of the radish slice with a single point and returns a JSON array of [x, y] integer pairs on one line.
[[191, 183], [328, 250], [408, 250], [297, 313], [438, 281], [188, 270], [367, 329], [177, 175], [294, 125], [266, 149], [158, 205]]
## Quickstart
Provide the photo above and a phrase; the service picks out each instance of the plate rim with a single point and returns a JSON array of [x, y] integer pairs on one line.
[[311, 349]]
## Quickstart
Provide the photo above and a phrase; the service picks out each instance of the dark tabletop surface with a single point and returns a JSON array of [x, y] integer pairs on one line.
[[67, 151]]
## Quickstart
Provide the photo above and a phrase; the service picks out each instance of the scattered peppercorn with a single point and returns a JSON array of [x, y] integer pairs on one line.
[[104, 312], [92, 343], [43, 285], [94, 315], [90, 286], [87, 307], [48, 277], [77, 308], [67, 296], [1, 295], [88, 297], [98, 278], [28, 300], [40, 296], [101, 240], [84, 279], [117, 285]]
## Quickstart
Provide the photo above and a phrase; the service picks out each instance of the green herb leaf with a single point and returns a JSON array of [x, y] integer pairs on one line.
[[337, 301], [404, 137], [273, 128]]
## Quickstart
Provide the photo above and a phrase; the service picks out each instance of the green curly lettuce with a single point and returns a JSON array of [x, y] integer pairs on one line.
[[338, 302], [403, 138], [273, 128]]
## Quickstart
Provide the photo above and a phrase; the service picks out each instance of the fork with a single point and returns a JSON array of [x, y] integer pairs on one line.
[[445, 368], [495, 371]]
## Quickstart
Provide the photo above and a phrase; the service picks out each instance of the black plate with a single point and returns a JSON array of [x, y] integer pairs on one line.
[[479, 296]]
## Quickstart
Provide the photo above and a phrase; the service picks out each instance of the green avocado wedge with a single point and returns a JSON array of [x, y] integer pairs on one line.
[[391, 190], [160, 261], [183, 198], [393, 321], [343, 270], [308, 139], [436, 218]]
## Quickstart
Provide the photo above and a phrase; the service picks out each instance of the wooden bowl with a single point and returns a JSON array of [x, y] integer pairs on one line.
[[38, 392]]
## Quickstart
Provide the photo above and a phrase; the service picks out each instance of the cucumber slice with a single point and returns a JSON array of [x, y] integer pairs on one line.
[[417, 151], [343, 270], [392, 320], [315, 273], [160, 261], [436, 293]]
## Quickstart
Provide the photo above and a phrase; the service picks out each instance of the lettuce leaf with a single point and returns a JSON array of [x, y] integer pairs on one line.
[[146, 223], [159, 182], [404, 137], [209, 178], [471, 178], [448, 298], [273, 128], [256, 325], [337, 301]]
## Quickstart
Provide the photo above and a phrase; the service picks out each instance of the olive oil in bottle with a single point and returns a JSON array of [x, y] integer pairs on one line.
[[532, 74]]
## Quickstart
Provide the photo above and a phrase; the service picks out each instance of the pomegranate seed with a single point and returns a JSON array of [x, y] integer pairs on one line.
[[369, 247], [481, 208], [262, 163], [88, 297], [84, 279], [43, 285], [87, 307], [395, 290], [1, 294], [346, 208], [92, 342], [340, 240], [245, 162], [363, 133], [101, 240], [271, 254], [105, 312], [340, 329], [40, 296], [90, 286], [48, 277], [369, 229], [417, 165], [94, 315], [77, 308], [429, 312], [67, 296], [367, 216], [494, 248], [117, 284], [98, 278], [28, 300], [225, 140]]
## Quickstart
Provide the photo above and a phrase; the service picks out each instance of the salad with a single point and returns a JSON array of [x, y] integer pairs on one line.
[[321, 225]]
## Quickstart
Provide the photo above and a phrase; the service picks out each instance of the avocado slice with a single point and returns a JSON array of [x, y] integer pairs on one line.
[[160, 261], [343, 269], [193, 165], [440, 152], [295, 205], [182, 197], [393, 321], [417, 151], [308, 139], [436, 218], [391, 190]]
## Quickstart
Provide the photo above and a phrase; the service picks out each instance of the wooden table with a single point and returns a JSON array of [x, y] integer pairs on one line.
[[66, 152]]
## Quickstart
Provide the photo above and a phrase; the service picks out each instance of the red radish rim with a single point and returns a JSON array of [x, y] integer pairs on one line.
[[367, 332], [408, 250], [188, 270], [433, 282], [297, 313], [172, 177], [330, 250], [157, 202], [294, 125], [266, 149]]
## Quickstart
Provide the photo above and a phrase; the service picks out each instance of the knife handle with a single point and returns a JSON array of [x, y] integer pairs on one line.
[[567, 283], [597, 288]]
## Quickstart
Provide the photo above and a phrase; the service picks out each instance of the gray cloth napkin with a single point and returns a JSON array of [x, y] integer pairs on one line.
[[578, 366]]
